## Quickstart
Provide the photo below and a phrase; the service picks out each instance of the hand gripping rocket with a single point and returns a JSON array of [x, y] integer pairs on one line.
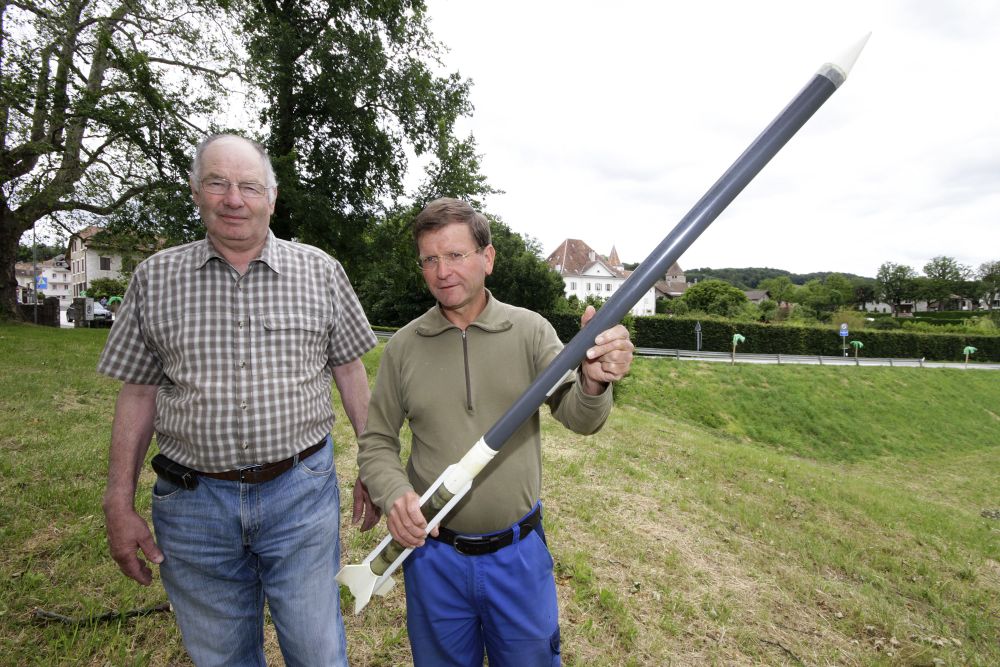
[[374, 574]]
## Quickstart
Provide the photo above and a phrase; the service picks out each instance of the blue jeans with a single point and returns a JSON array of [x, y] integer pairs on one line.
[[230, 546], [505, 603]]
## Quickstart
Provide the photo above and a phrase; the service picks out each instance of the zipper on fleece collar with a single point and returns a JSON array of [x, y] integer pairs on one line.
[[468, 376]]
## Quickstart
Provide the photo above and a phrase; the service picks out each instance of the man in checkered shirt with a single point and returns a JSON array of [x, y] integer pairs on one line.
[[227, 348]]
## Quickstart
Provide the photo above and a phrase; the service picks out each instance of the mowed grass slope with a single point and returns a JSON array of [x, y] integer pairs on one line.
[[725, 515]]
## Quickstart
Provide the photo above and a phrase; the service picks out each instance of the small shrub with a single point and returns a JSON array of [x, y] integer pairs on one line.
[[884, 324]]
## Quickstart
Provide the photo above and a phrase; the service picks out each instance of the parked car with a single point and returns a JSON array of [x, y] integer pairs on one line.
[[102, 316]]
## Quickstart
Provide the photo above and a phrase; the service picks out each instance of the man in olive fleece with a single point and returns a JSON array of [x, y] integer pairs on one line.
[[484, 582]]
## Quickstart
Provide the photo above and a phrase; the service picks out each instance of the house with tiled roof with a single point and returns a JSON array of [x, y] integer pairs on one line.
[[93, 253], [586, 272], [89, 258], [673, 285]]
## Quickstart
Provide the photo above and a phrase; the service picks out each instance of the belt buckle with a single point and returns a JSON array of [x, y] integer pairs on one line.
[[473, 545], [249, 475]]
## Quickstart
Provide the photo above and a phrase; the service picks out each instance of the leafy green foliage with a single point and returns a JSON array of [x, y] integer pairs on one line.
[[346, 88], [743, 278], [715, 297], [98, 106], [393, 291], [822, 297], [106, 287], [895, 284], [753, 277], [989, 277], [391, 288], [780, 288], [41, 252]]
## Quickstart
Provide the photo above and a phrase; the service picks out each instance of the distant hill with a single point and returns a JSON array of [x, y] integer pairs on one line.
[[750, 277]]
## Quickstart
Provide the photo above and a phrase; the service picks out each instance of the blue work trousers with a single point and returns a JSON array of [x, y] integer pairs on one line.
[[505, 603]]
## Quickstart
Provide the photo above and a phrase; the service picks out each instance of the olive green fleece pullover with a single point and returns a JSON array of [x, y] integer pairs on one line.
[[452, 386]]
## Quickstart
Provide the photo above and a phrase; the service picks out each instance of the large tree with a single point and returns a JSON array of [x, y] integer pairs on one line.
[[820, 298], [864, 292], [989, 278], [715, 297], [895, 284], [943, 277], [99, 102], [347, 89], [779, 288], [392, 289]]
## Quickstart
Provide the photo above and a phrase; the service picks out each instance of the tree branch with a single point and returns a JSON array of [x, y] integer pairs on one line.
[[108, 209], [197, 68]]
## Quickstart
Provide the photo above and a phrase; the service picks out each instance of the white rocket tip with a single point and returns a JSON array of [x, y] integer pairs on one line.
[[847, 59]]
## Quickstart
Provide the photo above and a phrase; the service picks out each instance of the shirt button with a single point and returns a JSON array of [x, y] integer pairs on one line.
[[243, 405], [244, 444], [240, 324], [243, 364]]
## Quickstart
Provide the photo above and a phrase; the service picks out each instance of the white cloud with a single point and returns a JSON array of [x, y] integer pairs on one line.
[[608, 122]]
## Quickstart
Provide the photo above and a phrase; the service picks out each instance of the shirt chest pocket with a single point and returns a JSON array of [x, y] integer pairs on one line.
[[290, 344]]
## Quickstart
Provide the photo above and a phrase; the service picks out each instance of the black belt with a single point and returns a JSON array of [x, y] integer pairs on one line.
[[478, 545], [267, 471]]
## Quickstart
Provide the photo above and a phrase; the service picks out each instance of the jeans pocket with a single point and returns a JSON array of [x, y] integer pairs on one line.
[[165, 490], [319, 464]]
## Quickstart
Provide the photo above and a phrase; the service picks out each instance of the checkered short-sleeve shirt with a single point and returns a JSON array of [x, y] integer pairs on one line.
[[243, 363]]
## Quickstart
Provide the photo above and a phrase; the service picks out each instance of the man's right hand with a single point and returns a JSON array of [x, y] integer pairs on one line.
[[128, 533], [406, 523]]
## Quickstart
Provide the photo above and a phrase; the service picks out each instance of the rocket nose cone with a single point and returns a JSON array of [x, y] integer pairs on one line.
[[847, 59]]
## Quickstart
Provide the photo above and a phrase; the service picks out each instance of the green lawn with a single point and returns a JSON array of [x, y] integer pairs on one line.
[[726, 515]]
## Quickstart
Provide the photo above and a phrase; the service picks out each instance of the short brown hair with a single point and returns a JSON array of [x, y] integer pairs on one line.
[[445, 211]]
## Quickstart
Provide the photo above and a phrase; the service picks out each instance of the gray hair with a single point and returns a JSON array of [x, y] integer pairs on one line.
[[445, 211], [270, 180]]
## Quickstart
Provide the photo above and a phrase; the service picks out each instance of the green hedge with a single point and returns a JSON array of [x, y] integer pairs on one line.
[[566, 325], [717, 335], [949, 314]]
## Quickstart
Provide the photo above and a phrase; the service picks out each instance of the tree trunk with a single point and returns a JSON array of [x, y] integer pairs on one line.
[[10, 236]]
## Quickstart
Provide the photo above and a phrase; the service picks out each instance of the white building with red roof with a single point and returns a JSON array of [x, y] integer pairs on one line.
[[588, 273]]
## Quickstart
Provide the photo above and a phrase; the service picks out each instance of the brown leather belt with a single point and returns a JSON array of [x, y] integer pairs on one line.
[[267, 471]]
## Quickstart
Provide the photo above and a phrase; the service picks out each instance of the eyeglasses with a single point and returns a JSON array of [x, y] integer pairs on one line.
[[449, 259], [220, 186]]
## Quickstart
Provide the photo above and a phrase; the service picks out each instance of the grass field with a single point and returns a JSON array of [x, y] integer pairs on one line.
[[727, 515]]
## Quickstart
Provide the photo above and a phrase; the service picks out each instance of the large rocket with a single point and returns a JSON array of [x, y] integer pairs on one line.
[[374, 574]]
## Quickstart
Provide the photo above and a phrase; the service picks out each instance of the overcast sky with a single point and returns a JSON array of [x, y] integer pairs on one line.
[[607, 122]]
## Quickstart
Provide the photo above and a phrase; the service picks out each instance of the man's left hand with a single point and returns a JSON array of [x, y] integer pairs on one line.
[[364, 507], [609, 360]]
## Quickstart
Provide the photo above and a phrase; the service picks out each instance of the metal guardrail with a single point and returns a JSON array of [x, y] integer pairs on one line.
[[820, 360]]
